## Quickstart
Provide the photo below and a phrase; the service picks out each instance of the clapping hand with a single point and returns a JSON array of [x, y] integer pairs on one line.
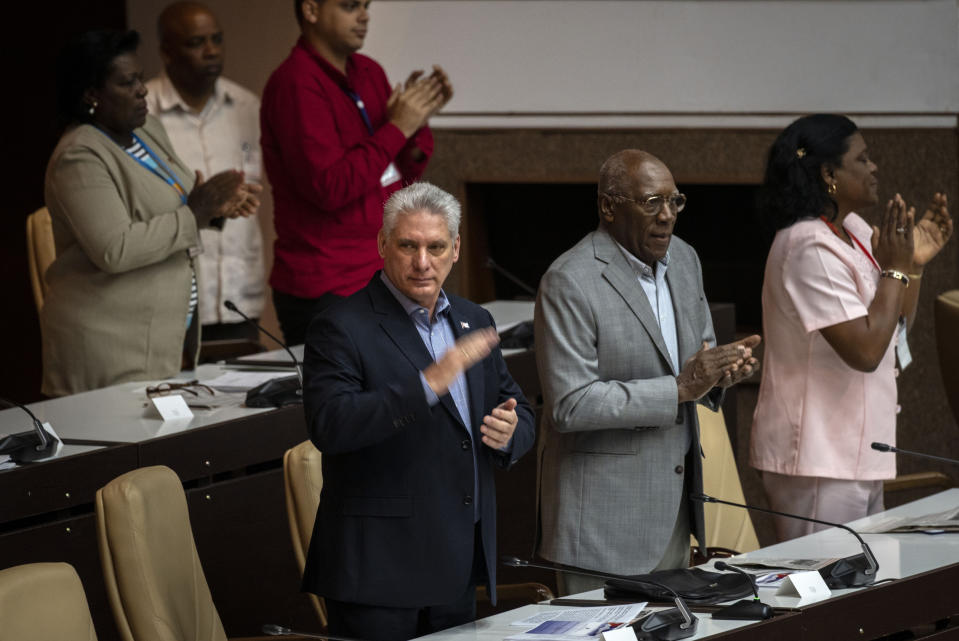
[[892, 240], [932, 231], [721, 365], [468, 350], [498, 426]]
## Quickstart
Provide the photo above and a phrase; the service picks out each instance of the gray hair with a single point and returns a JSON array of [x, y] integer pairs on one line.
[[616, 173], [422, 196]]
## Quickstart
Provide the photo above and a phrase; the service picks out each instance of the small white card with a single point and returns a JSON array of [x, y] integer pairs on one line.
[[902, 346], [171, 407], [806, 585], [622, 633], [390, 176]]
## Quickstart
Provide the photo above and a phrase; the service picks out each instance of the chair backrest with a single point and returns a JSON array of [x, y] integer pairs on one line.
[[40, 252], [154, 579], [41, 601], [303, 478], [947, 338], [727, 527]]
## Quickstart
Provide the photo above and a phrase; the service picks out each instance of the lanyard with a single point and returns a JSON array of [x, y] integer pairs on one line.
[[169, 178], [855, 240], [362, 107]]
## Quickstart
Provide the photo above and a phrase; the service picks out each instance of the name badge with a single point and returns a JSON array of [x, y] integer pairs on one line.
[[390, 176], [902, 345], [171, 408], [808, 586]]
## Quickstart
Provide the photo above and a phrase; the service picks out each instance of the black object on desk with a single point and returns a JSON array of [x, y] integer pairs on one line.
[[754, 610]]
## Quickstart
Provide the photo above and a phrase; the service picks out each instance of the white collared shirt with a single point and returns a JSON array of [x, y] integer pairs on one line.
[[660, 299], [224, 135]]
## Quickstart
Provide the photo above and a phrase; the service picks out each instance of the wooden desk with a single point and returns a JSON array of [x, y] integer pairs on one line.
[[230, 462]]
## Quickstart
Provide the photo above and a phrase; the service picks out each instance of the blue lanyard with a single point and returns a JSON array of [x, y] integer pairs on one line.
[[362, 107], [169, 178]]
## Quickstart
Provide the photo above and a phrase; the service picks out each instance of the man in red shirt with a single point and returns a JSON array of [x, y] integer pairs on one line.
[[337, 140]]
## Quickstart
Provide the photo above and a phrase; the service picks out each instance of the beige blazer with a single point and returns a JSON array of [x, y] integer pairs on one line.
[[120, 285]]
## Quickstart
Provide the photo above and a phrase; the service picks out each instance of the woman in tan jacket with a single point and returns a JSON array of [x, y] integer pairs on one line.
[[126, 213]]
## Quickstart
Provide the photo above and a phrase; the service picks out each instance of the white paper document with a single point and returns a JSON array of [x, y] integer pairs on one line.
[[241, 381], [575, 624], [935, 523]]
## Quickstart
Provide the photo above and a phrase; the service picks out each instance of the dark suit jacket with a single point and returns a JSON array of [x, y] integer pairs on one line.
[[395, 522]]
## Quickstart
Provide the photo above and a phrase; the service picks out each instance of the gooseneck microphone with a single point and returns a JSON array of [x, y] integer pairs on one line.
[[233, 308], [882, 447], [850, 572], [748, 610], [275, 630], [666, 625], [24, 447], [502, 271]]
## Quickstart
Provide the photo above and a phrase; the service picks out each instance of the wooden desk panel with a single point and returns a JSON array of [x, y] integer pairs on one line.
[[243, 539], [38, 489], [73, 541], [230, 446]]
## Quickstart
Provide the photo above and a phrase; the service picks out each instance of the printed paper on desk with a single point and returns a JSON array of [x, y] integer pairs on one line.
[[808, 586], [171, 407]]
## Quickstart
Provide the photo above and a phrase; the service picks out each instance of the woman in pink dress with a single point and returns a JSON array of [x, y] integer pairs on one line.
[[838, 297]]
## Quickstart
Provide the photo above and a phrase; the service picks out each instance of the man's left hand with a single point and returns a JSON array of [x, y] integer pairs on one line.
[[498, 425]]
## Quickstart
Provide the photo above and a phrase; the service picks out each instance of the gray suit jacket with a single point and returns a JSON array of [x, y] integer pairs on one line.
[[612, 454]]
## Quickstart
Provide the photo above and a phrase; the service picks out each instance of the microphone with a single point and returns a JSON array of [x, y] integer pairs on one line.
[[24, 447], [749, 610], [492, 264], [666, 625], [233, 308], [850, 572], [275, 630], [882, 447], [275, 392]]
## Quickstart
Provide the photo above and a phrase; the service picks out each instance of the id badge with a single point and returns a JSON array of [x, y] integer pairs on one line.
[[390, 176], [902, 346]]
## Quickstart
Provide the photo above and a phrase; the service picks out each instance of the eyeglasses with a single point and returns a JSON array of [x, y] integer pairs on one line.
[[652, 205], [191, 387]]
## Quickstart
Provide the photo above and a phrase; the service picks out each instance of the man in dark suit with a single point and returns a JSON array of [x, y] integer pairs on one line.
[[409, 400]]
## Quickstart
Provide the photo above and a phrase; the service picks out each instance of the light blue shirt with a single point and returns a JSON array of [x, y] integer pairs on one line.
[[437, 335], [661, 301]]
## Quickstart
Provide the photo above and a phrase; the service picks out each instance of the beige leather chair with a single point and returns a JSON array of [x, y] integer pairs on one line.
[[43, 601], [303, 474], [153, 576], [40, 252], [303, 479], [728, 529]]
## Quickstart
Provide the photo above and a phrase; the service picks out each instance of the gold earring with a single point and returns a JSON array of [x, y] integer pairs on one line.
[[832, 189], [93, 107]]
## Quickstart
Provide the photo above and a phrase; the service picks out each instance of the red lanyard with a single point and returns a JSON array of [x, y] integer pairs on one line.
[[855, 240]]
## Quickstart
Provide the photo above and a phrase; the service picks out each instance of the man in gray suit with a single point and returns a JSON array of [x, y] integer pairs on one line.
[[625, 348]]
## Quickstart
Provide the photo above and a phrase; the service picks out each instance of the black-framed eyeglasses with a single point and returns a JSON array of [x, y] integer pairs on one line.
[[194, 387], [653, 204]]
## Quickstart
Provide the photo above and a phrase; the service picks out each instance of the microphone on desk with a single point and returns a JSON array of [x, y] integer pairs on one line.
[[850, 572], [275, 630], [275, 392], [743, 610], [24, 447], [666, 625], [882, 447], [510, 276]]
